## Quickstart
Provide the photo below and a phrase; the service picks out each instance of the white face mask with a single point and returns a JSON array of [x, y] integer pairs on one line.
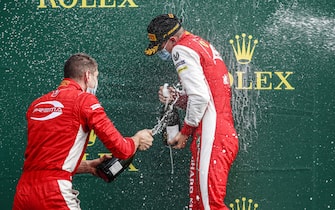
[[94, 89], [164, 54]]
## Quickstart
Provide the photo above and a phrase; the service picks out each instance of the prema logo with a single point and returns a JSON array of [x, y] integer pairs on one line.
[[51, 112]]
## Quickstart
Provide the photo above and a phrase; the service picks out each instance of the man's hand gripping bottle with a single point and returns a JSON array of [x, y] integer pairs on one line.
[[172, 118]]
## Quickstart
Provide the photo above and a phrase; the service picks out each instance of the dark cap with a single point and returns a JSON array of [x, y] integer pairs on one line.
[[160, 29]]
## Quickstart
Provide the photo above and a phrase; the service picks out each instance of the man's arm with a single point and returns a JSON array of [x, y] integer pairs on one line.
[[90, 166], [194, 83], [121, 147]]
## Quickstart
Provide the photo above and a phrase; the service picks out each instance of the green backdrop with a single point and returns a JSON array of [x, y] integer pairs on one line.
[[283, 103]]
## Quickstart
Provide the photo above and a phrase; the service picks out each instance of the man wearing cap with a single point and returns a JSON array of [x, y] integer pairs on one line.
[[208, 119]]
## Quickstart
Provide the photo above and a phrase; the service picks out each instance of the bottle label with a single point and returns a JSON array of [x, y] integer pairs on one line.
[[172, 131], [115, 168]]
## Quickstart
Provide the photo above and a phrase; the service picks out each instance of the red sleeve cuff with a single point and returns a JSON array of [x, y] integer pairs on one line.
[[187, 130], [131, 141], [126, 151]]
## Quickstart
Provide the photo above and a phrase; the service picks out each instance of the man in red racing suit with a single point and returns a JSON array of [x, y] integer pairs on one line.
[[205, 81], [58, 126]]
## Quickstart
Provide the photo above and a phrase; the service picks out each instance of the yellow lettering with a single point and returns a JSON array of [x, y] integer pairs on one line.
[[74, 2], [132, 167], [263, 80], [68, 4], [92, 138], [102, 154], [284, 80], [231, 79], [182, 69], [104, 5], [84, 4], [131, 3], [43, 6], [85, 156], [240, 81]]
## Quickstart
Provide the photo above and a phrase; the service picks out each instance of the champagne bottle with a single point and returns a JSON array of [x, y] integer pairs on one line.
[[172, 119], [173, 126], [109, 169]]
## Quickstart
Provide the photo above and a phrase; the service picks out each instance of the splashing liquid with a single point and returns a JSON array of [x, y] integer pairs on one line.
[[244, 102]]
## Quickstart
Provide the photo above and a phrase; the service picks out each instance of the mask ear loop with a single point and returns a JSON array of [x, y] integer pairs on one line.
[[87, 75], [88, 89]]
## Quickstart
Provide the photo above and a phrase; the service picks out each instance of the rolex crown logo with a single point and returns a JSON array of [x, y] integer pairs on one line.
[[244, 205], [243, 53]]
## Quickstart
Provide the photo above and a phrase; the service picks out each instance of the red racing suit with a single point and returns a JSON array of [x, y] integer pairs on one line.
[[58, 126], [208, 119]]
